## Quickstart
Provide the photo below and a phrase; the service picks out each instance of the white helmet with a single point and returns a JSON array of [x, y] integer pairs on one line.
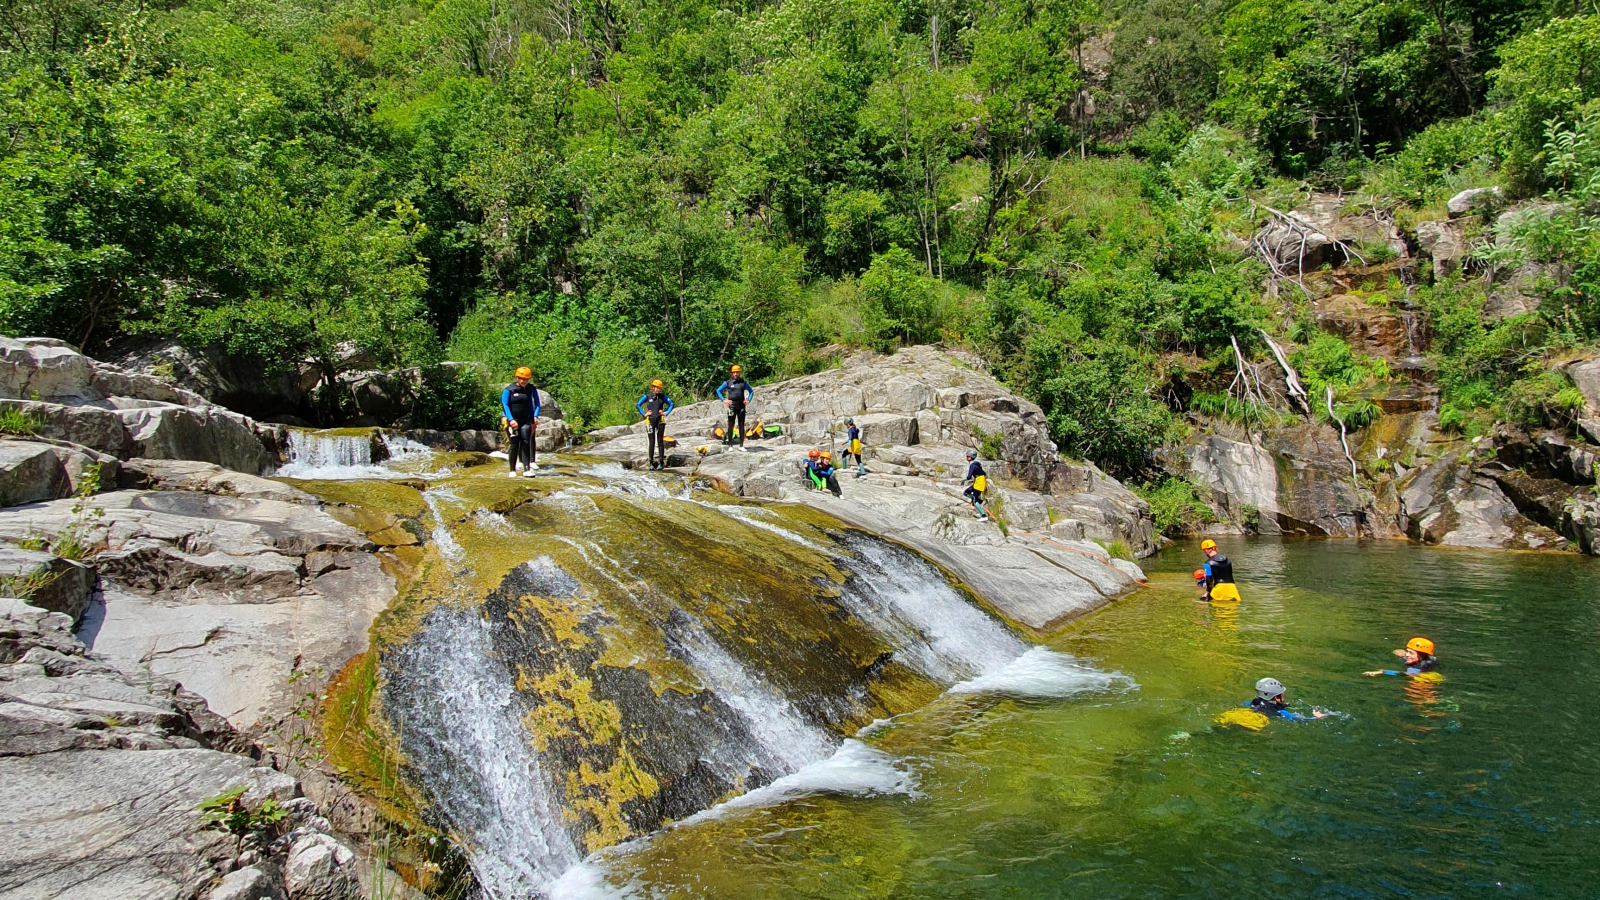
[[1267, 688]]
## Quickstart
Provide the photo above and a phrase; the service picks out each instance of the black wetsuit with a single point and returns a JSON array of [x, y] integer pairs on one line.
[[654, 408], [737, 392], [1218, 571], [822, 476], [520, 404]]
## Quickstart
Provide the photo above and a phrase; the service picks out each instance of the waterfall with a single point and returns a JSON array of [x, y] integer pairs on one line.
[[677, 658], [314, 454], [464, 729]]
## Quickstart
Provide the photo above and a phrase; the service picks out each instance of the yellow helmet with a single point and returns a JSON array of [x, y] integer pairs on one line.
[[1421, 645], [524, 372], [657, 383], [1208, 544]]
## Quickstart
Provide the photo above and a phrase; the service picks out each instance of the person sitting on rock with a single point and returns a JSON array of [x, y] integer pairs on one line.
[[1418, 654], [1219, 574], [820, 470], [519, 404], [977, 482], [852, 447], [735, 393], [655, 405]]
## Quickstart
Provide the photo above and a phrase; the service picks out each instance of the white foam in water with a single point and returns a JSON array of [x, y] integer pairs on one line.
[[489, 520], [853, 769], [627, 481], [749, 516], [1042, 673], [783, 740], [330, 457], [442, 538], [933, 628], [484, 774]]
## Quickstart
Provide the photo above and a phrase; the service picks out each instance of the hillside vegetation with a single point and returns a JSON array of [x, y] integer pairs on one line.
[[613, 191]]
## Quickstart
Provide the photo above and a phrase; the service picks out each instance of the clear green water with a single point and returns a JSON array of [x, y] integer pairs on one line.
[[1484, 785]]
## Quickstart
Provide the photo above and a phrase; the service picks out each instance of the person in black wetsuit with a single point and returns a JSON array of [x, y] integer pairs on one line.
[[655, 405], [519, 403], [978, 482], [1219, 571], [735, 393]]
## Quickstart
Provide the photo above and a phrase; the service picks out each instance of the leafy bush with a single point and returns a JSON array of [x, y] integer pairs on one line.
[[1175, 505], [18, 422], [454, 399]]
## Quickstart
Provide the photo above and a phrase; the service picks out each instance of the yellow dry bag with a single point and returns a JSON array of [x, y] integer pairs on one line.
[[1244, 718], [1224, 593], [981, 483]]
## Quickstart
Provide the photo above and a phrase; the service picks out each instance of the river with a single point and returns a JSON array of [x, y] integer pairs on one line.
[[1480, 784]]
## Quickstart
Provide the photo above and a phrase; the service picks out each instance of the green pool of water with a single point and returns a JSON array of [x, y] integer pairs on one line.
[[1485, 784]]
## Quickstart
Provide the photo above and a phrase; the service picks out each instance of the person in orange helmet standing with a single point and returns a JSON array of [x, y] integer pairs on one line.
[[1419, 657], [519, 404], [735, 393], [655, 405]]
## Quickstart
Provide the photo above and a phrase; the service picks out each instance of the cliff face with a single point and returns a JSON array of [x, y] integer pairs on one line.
[[1514, 488]]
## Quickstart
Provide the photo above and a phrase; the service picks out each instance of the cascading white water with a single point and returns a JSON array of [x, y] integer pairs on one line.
[[329, 456], [465, 728]]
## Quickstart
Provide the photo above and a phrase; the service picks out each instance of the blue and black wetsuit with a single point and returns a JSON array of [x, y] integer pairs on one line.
[[1425, 664], [852, 447], [654, 407], [822, 476], [737, 392], [1218, 571], [1277, 709], [519, 403]]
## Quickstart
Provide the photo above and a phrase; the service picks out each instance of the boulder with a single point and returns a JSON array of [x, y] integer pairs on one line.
[[216, 592], [1451, 504], [46, 580], [887, 429], [187, 475], [1475, 200], [1373, 330], [98, 406], [1585, 374], [1293, 481], [213, 374], [321, 868], [1320, 232], [30, 472], [1295, 245], [1444, 243], [248, 883]]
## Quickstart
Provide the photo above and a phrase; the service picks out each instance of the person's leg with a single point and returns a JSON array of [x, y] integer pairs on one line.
[[833, 485], [525, 444], [658, 444], [513, 446], [533, 444], [741, 426], [727, 436]]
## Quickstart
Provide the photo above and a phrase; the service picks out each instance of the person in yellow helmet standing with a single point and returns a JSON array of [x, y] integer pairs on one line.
[[734, 394], [1218, 574], [519, 404], [1419, 657], [655, 405]]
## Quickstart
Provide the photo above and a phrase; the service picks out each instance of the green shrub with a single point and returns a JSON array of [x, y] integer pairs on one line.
[[18, 421], [455, 399], [1175, 505]]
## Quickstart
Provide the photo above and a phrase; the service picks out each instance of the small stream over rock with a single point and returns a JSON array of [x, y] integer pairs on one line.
[[591, 655]]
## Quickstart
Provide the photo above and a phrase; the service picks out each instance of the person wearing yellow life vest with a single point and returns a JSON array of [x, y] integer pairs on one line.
[[519, 405], [852, 447], [978, 482], [1219, 574], [1419, 658]]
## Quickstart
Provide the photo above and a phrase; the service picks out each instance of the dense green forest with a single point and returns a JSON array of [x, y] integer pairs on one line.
[[612, 190]]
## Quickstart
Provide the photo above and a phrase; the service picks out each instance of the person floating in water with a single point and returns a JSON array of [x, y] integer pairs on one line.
[[852, 447], [1219, 574], [1268, 704], [655, 405], [519, 404], [734, 394], [1418, 654], [977, 482]]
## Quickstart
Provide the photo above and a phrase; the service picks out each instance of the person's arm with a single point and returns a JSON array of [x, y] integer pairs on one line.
[[505, 404], [749, 392], [669, 408], [640, 405], [1376, 672], [536, 405], [722, 392]]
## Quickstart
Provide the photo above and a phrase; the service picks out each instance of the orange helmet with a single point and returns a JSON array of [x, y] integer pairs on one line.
[[814, 454], [524, 372], [1421, 645], [827, 455], [1199, 574], [1208, 544], [657, 383], [735, 370]]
